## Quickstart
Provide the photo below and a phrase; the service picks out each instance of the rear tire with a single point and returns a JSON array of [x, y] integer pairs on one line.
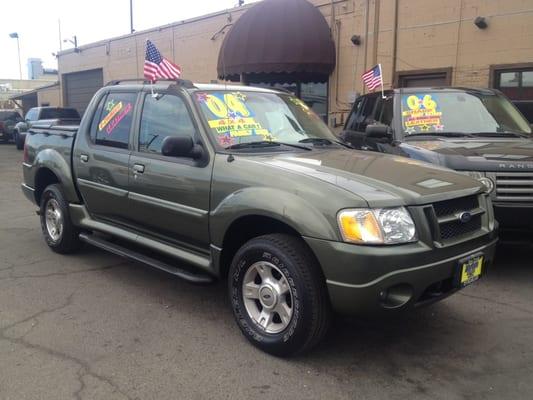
[[58, 231], [19, 141], [278, 295]]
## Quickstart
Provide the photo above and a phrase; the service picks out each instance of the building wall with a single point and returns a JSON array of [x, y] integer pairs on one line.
[[427, 34], [49, 96]]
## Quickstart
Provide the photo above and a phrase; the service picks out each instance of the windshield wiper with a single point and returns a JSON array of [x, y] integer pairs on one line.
[[264, 143], [325, 142], [445, 134], [500, 134]]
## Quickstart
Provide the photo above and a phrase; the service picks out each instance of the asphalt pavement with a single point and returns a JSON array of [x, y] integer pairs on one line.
[[95, 326]]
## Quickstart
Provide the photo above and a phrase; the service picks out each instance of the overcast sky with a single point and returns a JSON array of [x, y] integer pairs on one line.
[[36, 22]]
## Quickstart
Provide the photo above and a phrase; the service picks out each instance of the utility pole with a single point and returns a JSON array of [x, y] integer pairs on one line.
[[131, 17], [15, 35]]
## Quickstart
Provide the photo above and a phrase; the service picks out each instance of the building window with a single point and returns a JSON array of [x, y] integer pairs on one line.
[[427, 77], [315, 95], [517, 84]]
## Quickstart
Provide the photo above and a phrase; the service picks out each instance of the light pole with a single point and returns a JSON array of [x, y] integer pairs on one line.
[[131, 17], [15, 35]]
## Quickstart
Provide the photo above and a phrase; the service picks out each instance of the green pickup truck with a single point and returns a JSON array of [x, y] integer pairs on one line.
[[213, 182]]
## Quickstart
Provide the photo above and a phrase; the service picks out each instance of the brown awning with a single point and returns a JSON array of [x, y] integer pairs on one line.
[[289, 39]]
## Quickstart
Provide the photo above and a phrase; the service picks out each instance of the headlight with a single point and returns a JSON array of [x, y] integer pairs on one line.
[[480, 176], [377, 226]]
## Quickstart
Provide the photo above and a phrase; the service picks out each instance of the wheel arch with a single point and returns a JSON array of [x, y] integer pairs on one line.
[[246, 228], [44, 178]]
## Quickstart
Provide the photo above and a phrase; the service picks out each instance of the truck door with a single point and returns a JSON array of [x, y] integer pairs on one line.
[[169, 196], [101, 156]]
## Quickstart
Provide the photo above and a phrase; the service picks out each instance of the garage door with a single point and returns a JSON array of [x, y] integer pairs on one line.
[[79, 88]]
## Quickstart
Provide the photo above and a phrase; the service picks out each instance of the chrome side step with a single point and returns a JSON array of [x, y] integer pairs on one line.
[[135, 256]]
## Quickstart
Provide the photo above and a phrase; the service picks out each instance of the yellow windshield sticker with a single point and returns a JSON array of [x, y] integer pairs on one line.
[[421, 111]]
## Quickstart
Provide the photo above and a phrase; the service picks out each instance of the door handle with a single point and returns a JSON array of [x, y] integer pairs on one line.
[[84, 158], [138, 168]]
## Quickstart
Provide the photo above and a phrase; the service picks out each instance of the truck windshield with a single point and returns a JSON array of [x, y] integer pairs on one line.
[[473, 113], [237, 118]]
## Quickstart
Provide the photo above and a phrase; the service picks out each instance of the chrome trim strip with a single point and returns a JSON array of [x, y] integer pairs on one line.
[[169, 205], [401, 271], [457, 216], [105, 188], [26, 187]]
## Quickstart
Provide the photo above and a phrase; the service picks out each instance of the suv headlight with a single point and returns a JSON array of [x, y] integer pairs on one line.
[[481, 176], [377, 226]]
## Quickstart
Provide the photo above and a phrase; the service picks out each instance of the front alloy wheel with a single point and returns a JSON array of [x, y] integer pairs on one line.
[[278, 294], [267, 297]]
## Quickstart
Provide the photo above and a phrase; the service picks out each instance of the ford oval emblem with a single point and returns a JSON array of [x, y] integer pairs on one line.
[[465, 217]]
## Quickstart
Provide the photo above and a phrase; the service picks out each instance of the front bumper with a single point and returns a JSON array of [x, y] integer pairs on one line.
[[372, 279]]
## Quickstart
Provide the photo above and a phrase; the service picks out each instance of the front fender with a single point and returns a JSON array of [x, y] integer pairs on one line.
[[21, 127], [283, 206], [55, 162]]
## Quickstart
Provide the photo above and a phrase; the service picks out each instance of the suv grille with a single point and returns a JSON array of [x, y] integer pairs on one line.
[[448, 224], [514, 186]]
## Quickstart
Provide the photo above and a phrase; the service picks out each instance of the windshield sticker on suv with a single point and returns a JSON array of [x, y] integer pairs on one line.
[[422, 112], [232, 118]]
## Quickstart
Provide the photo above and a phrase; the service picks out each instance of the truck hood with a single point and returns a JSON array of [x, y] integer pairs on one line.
[[483, 154], [382, 180]]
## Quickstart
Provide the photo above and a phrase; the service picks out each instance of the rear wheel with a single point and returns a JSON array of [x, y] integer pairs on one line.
[[19, 141], [278, 295], [58, 231]]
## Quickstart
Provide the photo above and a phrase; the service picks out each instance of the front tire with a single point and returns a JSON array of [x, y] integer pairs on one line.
[[278, 295], [58, 231], [19, 141]]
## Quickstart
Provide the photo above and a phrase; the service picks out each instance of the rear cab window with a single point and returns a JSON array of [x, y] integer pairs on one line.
[[112, 121]]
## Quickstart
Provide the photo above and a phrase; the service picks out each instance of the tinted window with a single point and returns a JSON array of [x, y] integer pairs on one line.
[[9, 115], [384, 112], [351, 125], [115, 116], [59, 113], [163, 117], [32, 114]]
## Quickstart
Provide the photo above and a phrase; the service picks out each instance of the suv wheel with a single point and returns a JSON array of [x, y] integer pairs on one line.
[[59, 232], [278, 295], [19, 141]]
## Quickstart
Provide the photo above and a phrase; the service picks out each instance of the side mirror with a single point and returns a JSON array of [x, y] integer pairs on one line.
[[378, 131], [181, 146]]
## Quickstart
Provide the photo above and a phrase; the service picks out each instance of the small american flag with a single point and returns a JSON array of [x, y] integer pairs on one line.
[[373, 78], [157, 66]]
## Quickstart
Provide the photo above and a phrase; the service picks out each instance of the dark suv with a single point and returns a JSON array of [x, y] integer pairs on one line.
[[8, 120], [475, 131]]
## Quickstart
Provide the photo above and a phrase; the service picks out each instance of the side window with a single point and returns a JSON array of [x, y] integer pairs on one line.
[[163, 117], [383, 112], [97, 117], [115, 119], [32, 114], [367, 114], [351, 125]]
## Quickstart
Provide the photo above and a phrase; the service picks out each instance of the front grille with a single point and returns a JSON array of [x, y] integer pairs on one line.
[[451, 207], [450, 230], [514, 186], [447, 221]]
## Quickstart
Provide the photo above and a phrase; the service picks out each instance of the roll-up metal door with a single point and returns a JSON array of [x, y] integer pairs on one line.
[[80, 87]]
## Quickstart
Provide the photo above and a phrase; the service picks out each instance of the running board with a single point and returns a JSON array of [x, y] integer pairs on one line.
[[133, 255]]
